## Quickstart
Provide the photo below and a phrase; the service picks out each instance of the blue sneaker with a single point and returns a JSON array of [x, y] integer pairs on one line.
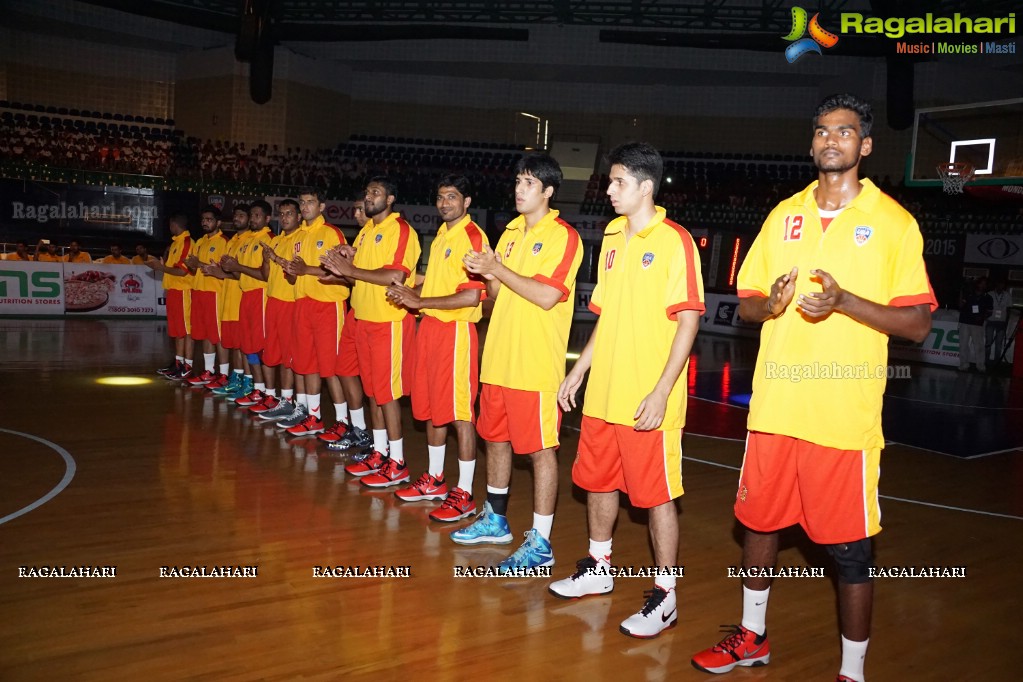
[[233, 382], [535, 552], [244, 388], [488, 529]]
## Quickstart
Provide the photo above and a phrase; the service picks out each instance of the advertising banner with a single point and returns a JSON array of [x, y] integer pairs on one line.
[[31, 288], [110, 290]]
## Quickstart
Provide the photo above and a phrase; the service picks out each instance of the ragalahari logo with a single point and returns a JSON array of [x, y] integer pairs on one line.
[[818, 36]]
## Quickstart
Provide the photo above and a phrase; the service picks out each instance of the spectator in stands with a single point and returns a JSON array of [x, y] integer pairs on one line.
[[115, 257], [141, 255], [49, 254], [21, 253], [974, 309], [75, 254]]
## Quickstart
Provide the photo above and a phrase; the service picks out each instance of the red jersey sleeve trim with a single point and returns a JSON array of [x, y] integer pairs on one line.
[[471, 284], [399, 252], [560, 273], [594, 308], [399, 267], [674, 310], [560, 286], [750, 293], [186, 245], [692, 284], [340, 234], [472, 230], [916, 299]]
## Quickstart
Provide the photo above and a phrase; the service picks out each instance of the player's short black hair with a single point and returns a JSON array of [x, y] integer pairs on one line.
[[641, 160], [388, 183], [259, 203], [459, 182], [312, 191], [847, 101], [179, 219], [288, 202], [244, 208], [543, 167], [211, 209]]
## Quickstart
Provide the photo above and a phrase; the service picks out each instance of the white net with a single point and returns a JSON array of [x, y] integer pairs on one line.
[[954, 176]]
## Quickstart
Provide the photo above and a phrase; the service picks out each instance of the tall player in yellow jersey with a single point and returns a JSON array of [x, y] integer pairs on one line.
[[240, 381], [206, 293], [814, 447], [649, 297], [386, 252], [446, 375], [177, 284], [531, 276]]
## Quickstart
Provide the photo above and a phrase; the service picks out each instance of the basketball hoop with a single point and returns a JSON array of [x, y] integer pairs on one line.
[[954, 176]]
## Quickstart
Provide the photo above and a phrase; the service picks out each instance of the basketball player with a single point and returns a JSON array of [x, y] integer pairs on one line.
[[814, 447], [232, 361], [446, 375], [177, 282], [649, 297], [532, 277], [206, 293]]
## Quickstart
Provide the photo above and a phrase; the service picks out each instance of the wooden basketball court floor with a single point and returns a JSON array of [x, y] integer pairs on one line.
[[156, 475]]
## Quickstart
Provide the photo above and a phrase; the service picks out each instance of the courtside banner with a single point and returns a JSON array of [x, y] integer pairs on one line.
[[28, 288], [109, 290]]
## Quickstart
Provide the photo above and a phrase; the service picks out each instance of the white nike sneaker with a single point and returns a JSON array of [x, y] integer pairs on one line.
[[657, 615]]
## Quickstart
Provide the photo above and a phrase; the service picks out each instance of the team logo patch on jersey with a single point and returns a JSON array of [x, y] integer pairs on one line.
[[378, 238], [319, 244], [862, 234], [212, 249], [447, 253], [537, 247], [508, 250], [648, 258]]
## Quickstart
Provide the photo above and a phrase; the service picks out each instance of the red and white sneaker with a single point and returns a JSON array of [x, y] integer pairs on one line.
[[309, 426], [370, 465], [458, 505], [427, 487], [391, 473], [254, 398], [202, 379], [218, 381], [742, 647], [269, 403], [335, 433]]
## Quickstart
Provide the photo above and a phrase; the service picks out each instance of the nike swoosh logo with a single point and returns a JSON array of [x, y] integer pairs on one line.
[[760, 603], [754, 652], [665, 617]]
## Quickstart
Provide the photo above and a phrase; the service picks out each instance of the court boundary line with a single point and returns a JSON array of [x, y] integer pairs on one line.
[[70, 468]]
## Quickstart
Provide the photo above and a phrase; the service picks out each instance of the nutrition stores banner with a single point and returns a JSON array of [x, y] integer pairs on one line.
[[78, 289]]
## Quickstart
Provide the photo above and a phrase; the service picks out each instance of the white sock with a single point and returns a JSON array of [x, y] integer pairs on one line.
[[397, 450], [466, 471], [380, 441], [853, 655], [287, 393], [314, 404], [358, 418], [209, 360], [239, 372], [225, 368], [754, 609], [261, 387], [180, 359], [543, 524], [664, 579], [436, 466], [341, 412], [601, 550], [272, 392], [302, 399]]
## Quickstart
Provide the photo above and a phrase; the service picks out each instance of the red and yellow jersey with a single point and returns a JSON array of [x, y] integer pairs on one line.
[[316, 239], [115, 260], [389, 245], [251, 256], [823, 380], [285, 246], [80, 257], [642, 284], [445, 273], [525, 346], [209, 248], [231, 301], [180, 247]]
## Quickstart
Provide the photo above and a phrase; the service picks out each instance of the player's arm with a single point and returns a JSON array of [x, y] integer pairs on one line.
[[410, 298], [910, 322], [755, 308], [255, 273], [650, 412], [574, 379], [488, 265]]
